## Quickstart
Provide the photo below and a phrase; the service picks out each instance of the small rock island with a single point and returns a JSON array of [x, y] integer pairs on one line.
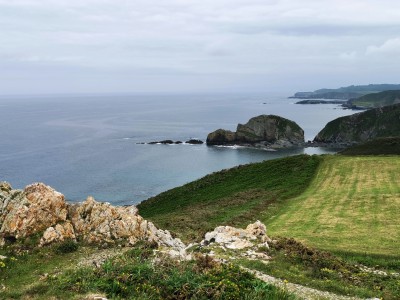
[[264, 131]]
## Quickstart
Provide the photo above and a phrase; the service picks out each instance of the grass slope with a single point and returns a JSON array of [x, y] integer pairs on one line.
[[387, 146], [351, 205], [137, 273], [377, 99], [336, 203], [231, 197]]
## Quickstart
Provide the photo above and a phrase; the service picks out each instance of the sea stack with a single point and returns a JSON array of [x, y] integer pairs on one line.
[[262, 131]]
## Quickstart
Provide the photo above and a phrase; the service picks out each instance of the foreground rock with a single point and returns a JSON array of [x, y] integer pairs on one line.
[[41, 209], [237, 238], [264, 131], [362, 127]]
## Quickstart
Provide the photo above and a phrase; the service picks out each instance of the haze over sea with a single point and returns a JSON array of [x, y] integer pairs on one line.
[[87, 145]]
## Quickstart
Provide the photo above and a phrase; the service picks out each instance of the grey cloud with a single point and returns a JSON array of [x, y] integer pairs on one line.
[[172, 41]]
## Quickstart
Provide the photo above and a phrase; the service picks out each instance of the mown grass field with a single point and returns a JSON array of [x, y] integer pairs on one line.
[[353, 204], [337, 203], [236, 197]]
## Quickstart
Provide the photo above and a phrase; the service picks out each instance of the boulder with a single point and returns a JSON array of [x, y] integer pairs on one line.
[[58, 233], [267, 130], [33, 210], [237, 238]]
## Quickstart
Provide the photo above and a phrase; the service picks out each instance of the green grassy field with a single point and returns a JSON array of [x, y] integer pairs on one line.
[[235, 197], [336, 203], [345, 205], [351, 205]]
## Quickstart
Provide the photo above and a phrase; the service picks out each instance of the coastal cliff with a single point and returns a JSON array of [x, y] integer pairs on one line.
[[263, 131], [362, 127]]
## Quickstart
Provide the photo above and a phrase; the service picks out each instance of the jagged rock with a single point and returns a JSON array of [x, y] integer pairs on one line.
[[33, 210], [236, 238], [58, 233], [101, 222], [264, 130], [40, 208]]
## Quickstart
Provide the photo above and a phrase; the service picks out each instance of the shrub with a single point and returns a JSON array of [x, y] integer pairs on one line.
[[67, 246]]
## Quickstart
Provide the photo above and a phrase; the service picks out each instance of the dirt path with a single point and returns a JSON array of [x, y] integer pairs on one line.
[[299, 290]]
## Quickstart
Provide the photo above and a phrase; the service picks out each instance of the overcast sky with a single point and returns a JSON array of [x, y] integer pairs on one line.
[[84, 46]]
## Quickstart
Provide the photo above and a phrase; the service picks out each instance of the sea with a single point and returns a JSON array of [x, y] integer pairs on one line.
[[91, 145]]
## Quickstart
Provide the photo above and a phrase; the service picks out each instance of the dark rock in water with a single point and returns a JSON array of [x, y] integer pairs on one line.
[[266, 131], [221, 137], [194, 142], [362, 127], [162, 142], [169, 142]]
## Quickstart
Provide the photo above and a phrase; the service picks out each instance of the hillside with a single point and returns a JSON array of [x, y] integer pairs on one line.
[[375, 100], [362, 127], [344, 205], [386, 146], [344, 93], [232, 197], [332, 225], [313, 198]]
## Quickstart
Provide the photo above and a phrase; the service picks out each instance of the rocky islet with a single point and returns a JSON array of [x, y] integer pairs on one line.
[[267, 131]]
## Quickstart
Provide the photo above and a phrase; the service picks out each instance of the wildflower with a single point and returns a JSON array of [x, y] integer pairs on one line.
[[2, 264]]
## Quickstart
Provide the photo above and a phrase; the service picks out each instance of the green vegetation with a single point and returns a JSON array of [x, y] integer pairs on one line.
[[376, 99], [361, 127], [135, 274], [348, 207], [351, 205], [334, 219], [380, 146], [330, 202], [324, 271], [231, 197]]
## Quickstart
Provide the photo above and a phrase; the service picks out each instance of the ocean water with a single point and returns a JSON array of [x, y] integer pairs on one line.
[[88, 145]]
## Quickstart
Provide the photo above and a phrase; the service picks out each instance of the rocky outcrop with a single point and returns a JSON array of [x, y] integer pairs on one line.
[[237, 238], [39, 209], [33, 210], [265, 130], [362, 127], [221, 137]]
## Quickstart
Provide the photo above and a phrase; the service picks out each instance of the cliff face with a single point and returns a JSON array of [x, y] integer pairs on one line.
[[269, 130], [362, 127]]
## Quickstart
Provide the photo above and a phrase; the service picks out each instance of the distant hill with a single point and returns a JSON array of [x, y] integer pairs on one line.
[[345, 93], [375, 100], [362, 127]]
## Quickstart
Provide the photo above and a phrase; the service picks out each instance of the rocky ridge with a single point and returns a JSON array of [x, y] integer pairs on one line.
[[268, 131], [39, 209]]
